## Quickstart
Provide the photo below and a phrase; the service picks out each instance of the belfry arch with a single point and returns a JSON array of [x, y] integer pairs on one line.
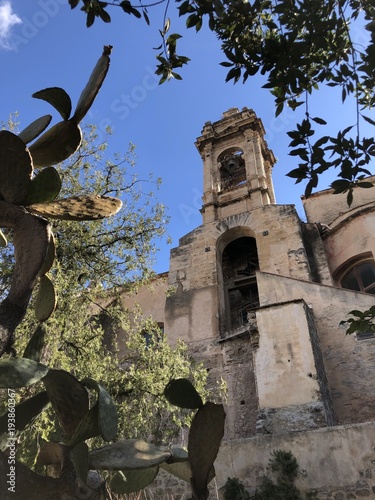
[[232, 169], [238, 262]]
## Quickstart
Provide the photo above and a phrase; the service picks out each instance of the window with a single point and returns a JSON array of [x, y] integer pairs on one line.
[[360, 277], [365, 335]]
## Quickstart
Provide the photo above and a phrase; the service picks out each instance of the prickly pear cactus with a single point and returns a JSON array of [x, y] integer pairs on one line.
[[27, 201]]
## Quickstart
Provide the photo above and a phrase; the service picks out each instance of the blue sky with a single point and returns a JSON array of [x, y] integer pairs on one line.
[[44, 43]]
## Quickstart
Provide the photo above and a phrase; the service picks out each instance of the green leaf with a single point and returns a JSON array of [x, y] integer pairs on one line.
[[368, 119], [226, 64], [349, 197], [46, 299], [132, 481], [298, 152], [233, 74], [192, 20], [173, 38], [145, 15], [365, 184], [58, 98], [90, 18], [35, 345], [127, 455], [104, 16], [20, 372], [181, 392], [69, 399], [319, 120], [107, 417], [340, 186], [298, 173]]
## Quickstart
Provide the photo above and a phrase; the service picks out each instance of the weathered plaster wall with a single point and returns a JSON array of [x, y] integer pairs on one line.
[[349, 363], [150, 298], [324, 207], [285, 367], [339, 461], [348, 240]]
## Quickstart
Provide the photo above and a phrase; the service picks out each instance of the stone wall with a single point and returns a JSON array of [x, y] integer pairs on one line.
[[339, 461], [336, 463]]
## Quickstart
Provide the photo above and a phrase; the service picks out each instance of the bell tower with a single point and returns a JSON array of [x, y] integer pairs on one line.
[[237, 165]]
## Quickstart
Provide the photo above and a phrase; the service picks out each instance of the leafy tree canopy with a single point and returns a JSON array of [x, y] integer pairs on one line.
[[298, 46], [90, 332]]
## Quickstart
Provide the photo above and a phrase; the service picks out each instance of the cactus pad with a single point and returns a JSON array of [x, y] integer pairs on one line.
[[107, 417], [58, 98], [181, 392], [35, 128], [20, 372], [131, 481], [130, 454], [78, 208], [35, 345], [45, 186], [15, 167], [206, 433], [46, 299], [50, 257], [93, 85], [69, 399], [26, 412], [57, 144]]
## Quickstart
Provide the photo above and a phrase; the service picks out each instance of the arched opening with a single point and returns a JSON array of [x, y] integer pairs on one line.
[[360, 277], [357, 273], [232, 169], [239, 264]]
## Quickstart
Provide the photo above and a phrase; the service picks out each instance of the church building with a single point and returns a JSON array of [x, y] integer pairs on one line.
[[258, 295]]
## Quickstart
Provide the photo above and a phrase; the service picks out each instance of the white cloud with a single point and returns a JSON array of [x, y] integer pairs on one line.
[[7, 20]]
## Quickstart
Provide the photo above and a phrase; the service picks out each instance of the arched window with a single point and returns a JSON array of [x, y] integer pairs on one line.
[[360, 277], [232, 169]]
